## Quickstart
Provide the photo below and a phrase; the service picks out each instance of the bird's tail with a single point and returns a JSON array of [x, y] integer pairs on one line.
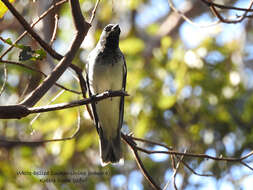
[[110, 150]]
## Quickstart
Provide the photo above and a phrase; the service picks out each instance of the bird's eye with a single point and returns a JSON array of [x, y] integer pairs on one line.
[[108, 28]]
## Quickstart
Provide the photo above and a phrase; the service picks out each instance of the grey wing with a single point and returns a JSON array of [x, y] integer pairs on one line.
[[121, 116], [94, 112]]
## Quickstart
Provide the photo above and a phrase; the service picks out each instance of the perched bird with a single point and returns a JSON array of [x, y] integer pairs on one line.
[[106, 71]]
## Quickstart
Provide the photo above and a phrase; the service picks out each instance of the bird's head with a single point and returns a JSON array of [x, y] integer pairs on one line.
[[110, 36]]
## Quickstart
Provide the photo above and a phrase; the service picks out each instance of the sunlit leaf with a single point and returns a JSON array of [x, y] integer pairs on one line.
[[166, 102], [68, 149], [85, 141], [3, 8], [41, 54], [132, 45], [8, 41], [166, 42], [141, 127]]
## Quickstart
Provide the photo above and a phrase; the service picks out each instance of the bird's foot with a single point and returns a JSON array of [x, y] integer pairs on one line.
[[109, 92]]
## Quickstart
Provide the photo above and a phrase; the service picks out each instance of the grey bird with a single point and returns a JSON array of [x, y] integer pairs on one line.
[[106, 71]]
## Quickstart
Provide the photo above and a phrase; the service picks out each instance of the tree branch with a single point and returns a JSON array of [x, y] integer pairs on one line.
[[94, 12], [19, 111], [82, 28], [5, 79], [33, 24], [213, 7], [132, 145], [27, 27], [210, 3], [130, 141]]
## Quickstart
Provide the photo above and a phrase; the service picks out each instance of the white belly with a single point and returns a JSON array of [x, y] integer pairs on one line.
[[103, 77]]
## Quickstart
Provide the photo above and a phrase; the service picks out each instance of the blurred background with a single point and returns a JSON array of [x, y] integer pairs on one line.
[[190, 87]]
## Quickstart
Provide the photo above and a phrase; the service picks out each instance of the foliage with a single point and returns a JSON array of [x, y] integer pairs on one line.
[[3, 8]]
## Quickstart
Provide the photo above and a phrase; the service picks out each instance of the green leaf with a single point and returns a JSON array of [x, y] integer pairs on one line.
[[166, 102], [68, 149], [20, 46], [41, 54], [8, 41], [132, 46], [85, 141]]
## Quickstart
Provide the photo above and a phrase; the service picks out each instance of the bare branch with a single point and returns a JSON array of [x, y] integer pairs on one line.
[[130, 140], [19, 111], [210, 3], [51, 101], [247, 155], [82, 28], [132, 145], [194, 172], [176, 170], [5, 79], [152, 142], [213, 7], [33, 24], [94, 12], [28, 28], [187, 19], [56, 17], [243, 163], [61, 106], [170, 148]]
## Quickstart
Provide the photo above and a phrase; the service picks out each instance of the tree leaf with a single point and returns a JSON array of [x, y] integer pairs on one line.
[[3, 8], [40, 54]]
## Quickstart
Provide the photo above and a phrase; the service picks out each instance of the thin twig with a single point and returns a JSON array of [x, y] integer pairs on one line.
[[33, 24], [187, 19], [231, 159], [213, 7], [94, 12], [247, 155], [173, 166], [130, 140], [12, 142], [151, 142], [51, 101], [170, 148], [145, 173], [5, 79], [176, 170], [194, 172], [25, 89], [20, 111], [243, 163], [56, 18], [76, 103], [211, 3], [82, 28], [38, 71]]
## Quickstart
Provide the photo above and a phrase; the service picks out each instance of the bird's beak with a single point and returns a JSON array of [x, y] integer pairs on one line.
[[115, 27]]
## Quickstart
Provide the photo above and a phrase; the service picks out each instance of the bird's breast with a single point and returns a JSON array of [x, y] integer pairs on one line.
[[106, 75]]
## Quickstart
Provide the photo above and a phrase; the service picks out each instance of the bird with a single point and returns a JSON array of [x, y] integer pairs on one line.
[[106, 71]]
